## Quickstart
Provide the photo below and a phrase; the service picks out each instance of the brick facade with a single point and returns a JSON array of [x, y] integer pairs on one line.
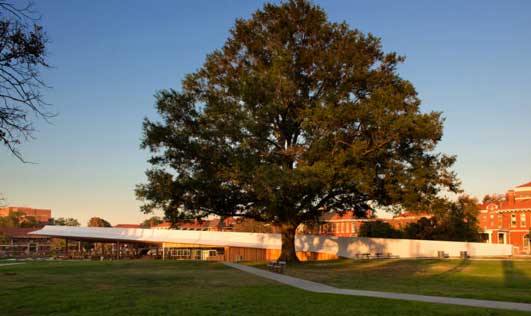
[[42, 215], [508, 221]]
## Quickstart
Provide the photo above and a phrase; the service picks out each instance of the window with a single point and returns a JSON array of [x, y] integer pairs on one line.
[[180, 253], [526, 241], [501, 238], [491, 219], [523, 222], [500, 220], [513, 220]]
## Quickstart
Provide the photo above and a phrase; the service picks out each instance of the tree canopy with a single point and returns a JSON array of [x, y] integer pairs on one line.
[[456, 220], [62, 221], [294, 116], [18, 219], [152, 221], [379, 229], [22, 56], [98, 222]]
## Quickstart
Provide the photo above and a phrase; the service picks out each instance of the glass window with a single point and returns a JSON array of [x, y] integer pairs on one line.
[[513, 220], [523, 220], [500, 220], [491, 219]]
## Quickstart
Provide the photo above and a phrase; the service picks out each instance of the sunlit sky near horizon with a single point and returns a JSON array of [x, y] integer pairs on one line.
[[469, 59]]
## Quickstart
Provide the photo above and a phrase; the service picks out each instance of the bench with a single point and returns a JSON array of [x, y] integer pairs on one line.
[[277, 266], [442, 254], [378, 255], [363, 255]]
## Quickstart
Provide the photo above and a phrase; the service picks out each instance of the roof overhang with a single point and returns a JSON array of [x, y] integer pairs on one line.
[[250, 240]]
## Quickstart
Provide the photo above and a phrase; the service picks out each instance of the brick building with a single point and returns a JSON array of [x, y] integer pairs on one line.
[[348, 225], [214, 224], [508, 221], [341, 225], [41, 215]]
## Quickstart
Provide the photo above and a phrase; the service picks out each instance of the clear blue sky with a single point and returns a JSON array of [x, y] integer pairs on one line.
[[469, 59]]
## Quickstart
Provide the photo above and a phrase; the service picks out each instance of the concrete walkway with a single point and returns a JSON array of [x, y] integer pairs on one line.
[[10, 264], [322, 288]]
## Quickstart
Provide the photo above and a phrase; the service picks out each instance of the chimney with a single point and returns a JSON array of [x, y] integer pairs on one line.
[[510, 196]]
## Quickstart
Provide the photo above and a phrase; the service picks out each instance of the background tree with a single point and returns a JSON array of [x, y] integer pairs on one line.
[[294, 116], [494, 197], [250, 225], [22, 56], [62, 221], [98, 222], [422, 229], [19, 219], [152, 221], [378, 229], [460, 222], [13, 219], [455, 221]]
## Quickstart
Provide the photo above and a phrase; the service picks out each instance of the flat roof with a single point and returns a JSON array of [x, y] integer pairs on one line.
[[248, 240]]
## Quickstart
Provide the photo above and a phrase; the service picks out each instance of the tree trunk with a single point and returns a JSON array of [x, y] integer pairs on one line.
[[288, 253]]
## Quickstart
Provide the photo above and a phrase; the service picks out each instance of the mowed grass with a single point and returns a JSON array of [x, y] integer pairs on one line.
[[503, 280], [180, 288]]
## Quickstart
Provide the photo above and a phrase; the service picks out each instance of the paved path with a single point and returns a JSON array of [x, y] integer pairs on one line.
[[10, 264], [322, 288]]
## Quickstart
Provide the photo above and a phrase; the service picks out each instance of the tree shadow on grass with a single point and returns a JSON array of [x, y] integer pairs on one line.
[[458, 268], [512, 276]]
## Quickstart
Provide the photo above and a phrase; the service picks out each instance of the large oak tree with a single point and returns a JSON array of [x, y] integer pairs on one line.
[[294, 116]]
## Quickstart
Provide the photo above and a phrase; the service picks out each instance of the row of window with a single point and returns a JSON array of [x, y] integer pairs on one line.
[[523, 222], [523, 194], [514, 220], [338, 228]]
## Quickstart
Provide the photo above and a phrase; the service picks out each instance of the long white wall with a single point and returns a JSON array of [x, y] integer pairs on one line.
[[341, 246], [404, 248]]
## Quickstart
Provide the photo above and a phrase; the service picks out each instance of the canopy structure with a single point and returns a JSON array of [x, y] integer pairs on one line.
[[349, 247], [222, 239]]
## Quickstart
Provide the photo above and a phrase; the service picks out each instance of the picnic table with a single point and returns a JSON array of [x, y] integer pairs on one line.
[[277, 266]]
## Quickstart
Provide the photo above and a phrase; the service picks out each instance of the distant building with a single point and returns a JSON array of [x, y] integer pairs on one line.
[[348, 225], [402, 220], [165, 225], [508, 221], [214, 224], [344, 224], [41, 215], [341, 224], [127, 226]]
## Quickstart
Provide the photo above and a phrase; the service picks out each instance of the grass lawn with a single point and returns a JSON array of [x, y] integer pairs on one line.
[[180, 288], [495, 280]]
